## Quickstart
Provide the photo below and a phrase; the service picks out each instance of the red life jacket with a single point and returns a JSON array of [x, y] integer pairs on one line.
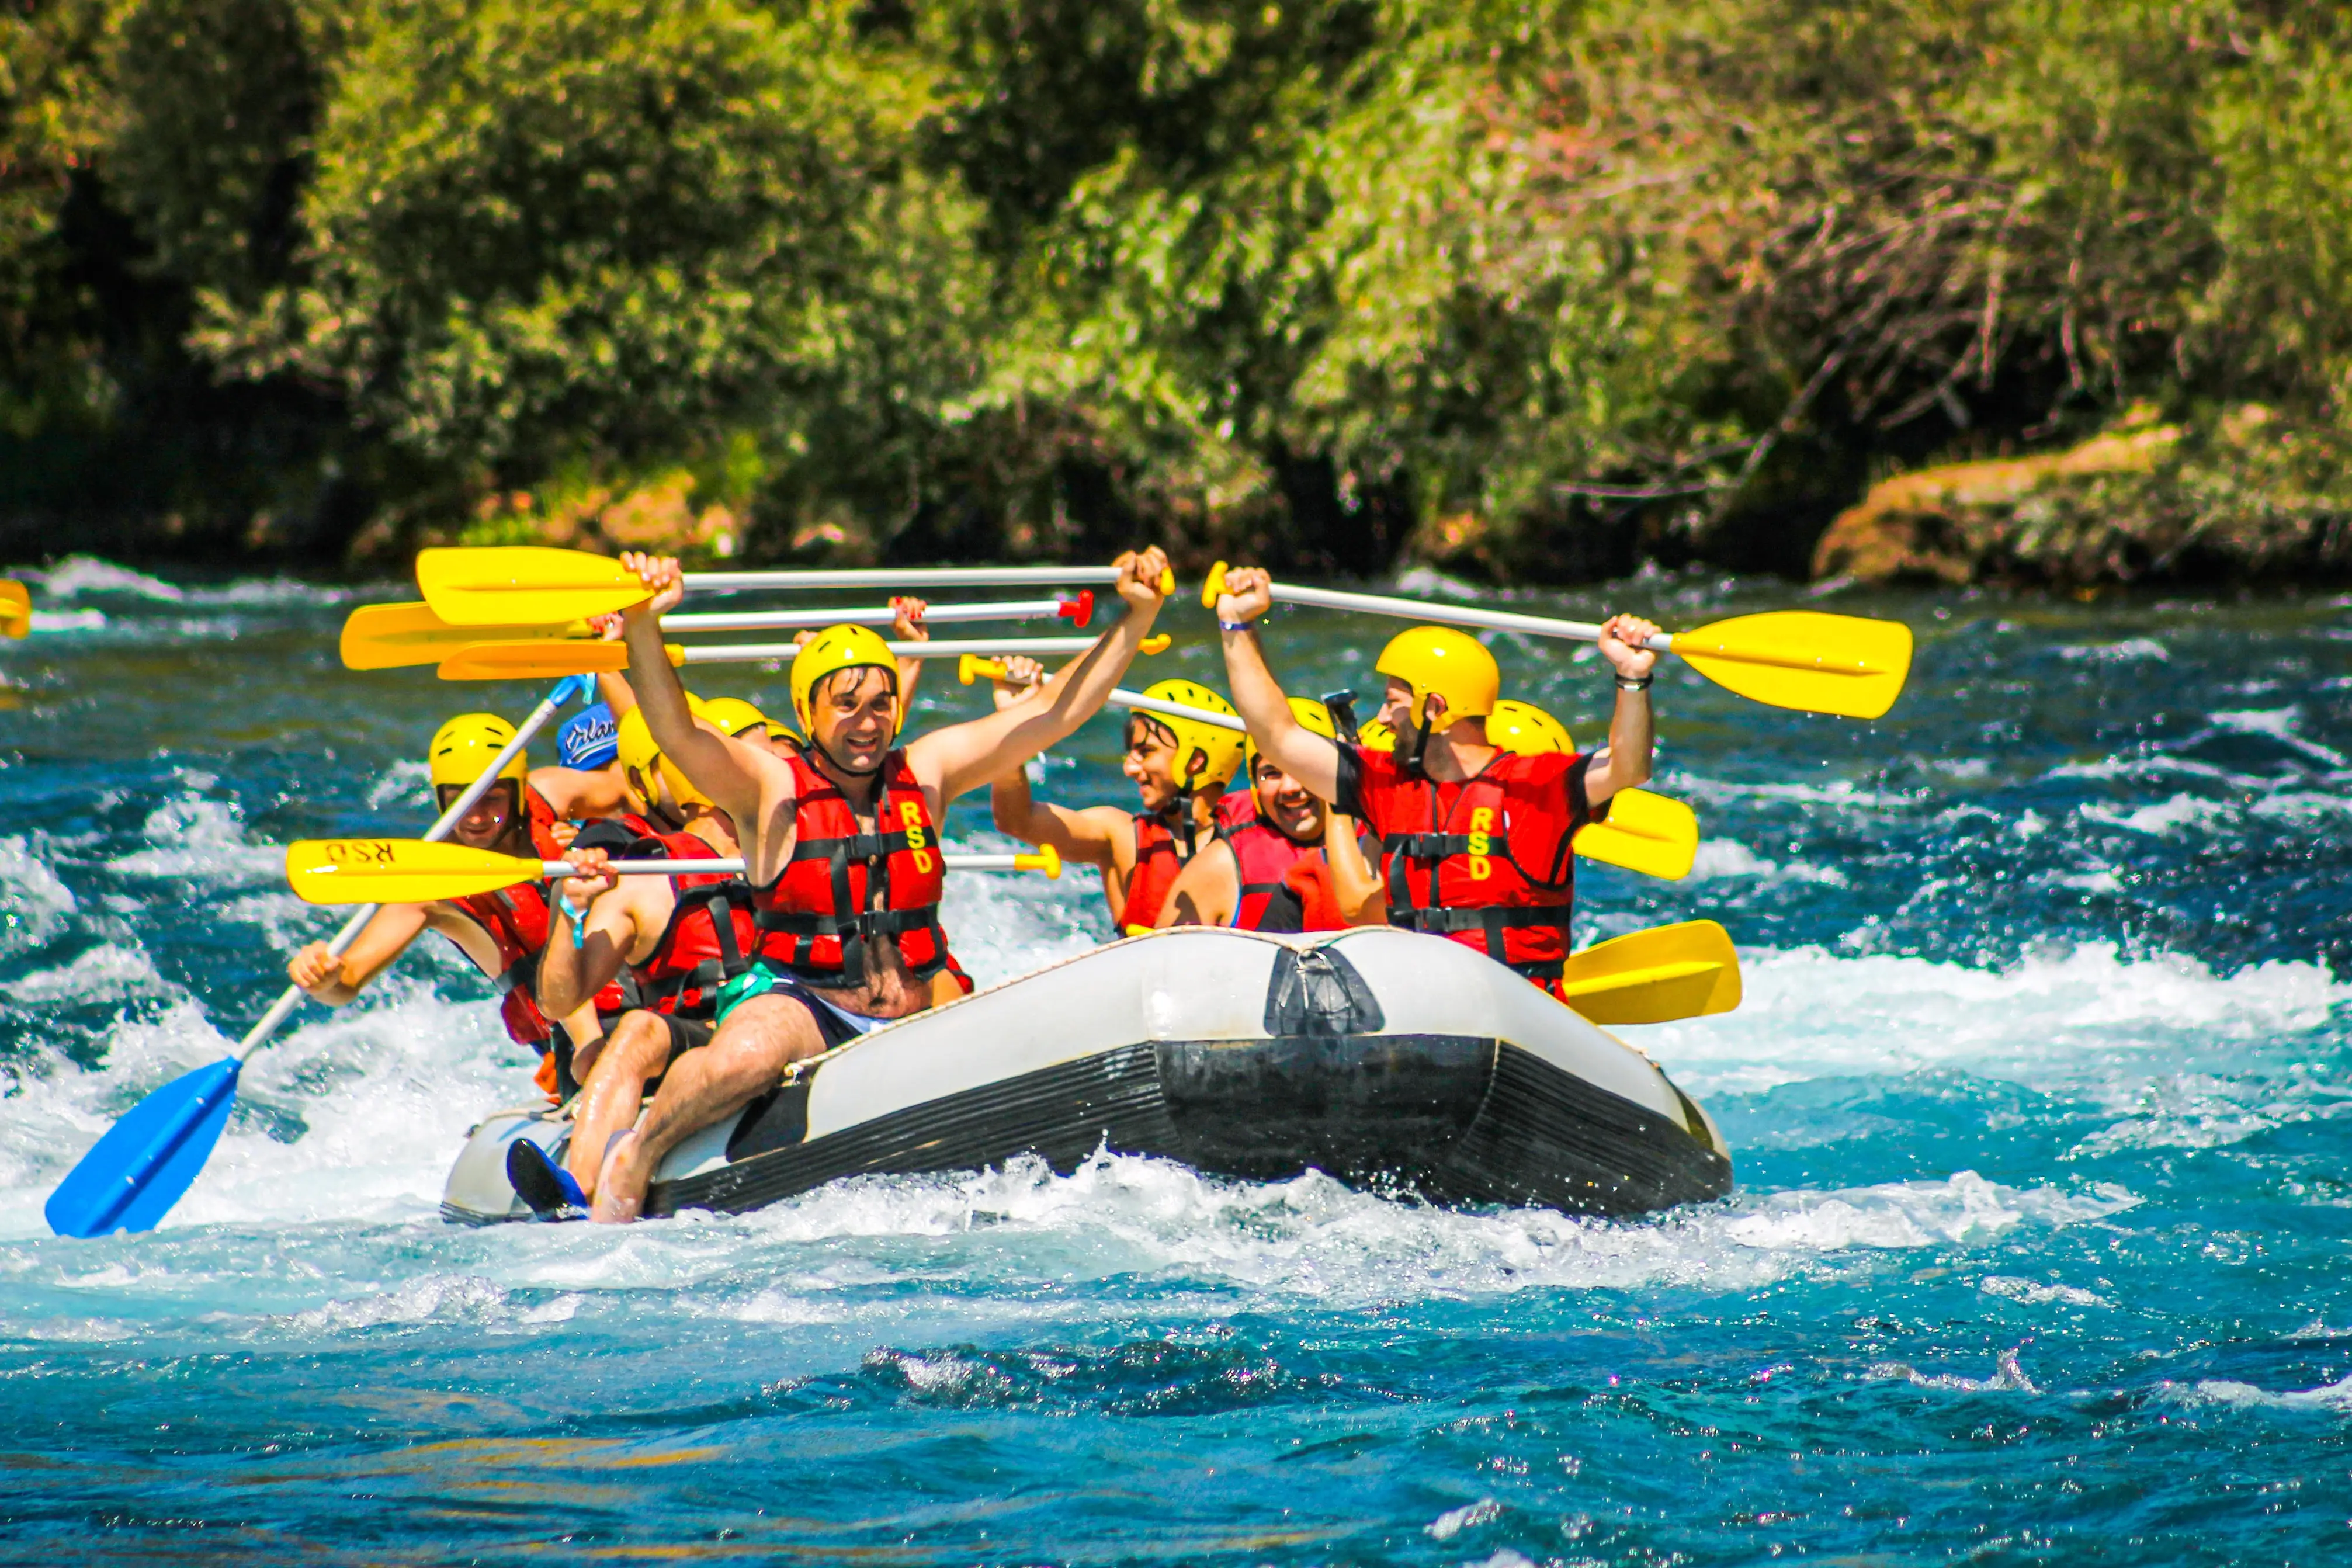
[[1486, 862], [1160, 855], [516, 920], [1310, 881], [710, 936], [1263, 856], [816, 918]]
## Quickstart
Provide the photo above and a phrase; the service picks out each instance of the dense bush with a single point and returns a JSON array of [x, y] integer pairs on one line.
[[1533, 289]]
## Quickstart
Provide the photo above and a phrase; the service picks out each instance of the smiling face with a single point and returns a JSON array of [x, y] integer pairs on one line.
[[1284, 802], [1151, 761], [854, 717], [485, 824]]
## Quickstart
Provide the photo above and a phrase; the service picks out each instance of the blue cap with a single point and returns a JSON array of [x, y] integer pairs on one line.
[[589, 740]]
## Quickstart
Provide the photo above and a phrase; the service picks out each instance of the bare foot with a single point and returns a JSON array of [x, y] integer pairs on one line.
[[620, 1184]]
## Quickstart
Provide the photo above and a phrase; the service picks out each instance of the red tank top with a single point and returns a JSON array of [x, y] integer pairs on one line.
[[817, 917], [709, 938], [516, 920], [1159, 858]]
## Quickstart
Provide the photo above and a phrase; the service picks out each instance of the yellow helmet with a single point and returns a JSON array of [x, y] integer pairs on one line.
[[465, 747], [834, 649], [1524, 728], [1219, 750], [732, 715], [1311, 714], [1453, 665], [1375, 735], [642, 760]]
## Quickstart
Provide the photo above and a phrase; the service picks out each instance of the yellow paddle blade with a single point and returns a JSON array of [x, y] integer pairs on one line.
[[15, 608], [398, 870], [1652, 834], [535, 658], [1805, 659], [523, 584], [1655, 976], [394, 636]]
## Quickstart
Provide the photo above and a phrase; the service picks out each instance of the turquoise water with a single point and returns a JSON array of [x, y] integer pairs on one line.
[[2037, 1255]]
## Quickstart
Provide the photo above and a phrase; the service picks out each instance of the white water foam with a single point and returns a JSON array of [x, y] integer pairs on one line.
[[196, 839], [35, 906], [79, 574], [2029, 1293], [2334, 1398], [2069, 1021], [1721, 859], [2165, 818], [2131, 651]]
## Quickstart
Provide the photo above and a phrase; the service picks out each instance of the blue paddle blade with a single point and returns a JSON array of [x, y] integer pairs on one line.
[[133, 1176]]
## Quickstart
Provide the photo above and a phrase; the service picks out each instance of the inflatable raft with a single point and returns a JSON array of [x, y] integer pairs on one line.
[[1391, 1060]]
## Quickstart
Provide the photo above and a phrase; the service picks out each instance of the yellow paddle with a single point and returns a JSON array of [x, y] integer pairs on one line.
[[1655, 976], [1655, 835], [15, 608], [532, 584], [1652, 834], [1805, 659], [530, 658], [393, 637], [417, 871]]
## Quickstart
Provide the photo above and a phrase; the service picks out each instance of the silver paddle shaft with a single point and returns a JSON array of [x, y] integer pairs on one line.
[[1125, 699], [744, 652], [911, 577], [735, 868], [1453, 615], [879, 615], [291, 997]]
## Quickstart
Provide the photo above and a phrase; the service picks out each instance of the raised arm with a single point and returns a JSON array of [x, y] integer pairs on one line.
[[1312, 759], [964, 757], [1626, 761], [908, 628], [728, 772]]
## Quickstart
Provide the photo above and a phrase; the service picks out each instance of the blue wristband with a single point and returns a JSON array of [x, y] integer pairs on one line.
[[1236, 625], [579, 916]]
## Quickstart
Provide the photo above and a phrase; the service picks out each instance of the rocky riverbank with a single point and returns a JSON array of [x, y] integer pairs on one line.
[[2245, 495]]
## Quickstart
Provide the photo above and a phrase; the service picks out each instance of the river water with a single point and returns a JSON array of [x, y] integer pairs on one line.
[[2038, 1253]]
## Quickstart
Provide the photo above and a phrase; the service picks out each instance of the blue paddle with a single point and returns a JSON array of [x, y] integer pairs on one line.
[[132, 1176]]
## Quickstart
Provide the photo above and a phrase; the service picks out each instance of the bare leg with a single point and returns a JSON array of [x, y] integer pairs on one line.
[[745, 1059], [614, 1090]]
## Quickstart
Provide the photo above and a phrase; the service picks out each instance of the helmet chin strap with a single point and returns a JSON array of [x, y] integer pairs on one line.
[[1414, 767], [1185, 792]]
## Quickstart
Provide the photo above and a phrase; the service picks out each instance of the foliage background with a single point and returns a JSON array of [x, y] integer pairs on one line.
[[1535, 290]]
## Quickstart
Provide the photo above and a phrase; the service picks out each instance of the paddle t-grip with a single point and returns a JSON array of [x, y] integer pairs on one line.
[[1213, 588], [971, 666], [1077, 611]]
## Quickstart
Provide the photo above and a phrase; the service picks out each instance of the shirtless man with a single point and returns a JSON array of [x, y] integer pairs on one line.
[[829, 968]]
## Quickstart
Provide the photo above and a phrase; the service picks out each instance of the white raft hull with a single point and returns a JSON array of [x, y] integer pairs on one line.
[[1380, 1057]]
